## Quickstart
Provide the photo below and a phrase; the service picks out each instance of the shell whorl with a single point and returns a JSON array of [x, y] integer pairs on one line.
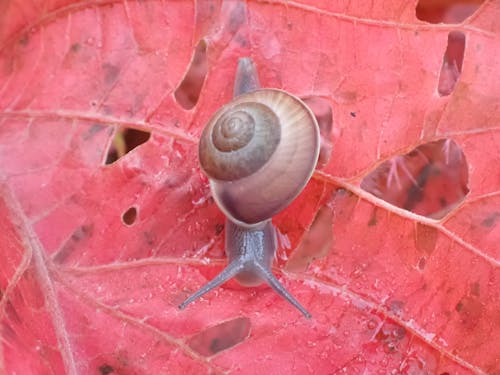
[[257, 173], [239, 140]]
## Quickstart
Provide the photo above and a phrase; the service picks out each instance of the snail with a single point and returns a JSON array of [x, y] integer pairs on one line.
[[258, 151]]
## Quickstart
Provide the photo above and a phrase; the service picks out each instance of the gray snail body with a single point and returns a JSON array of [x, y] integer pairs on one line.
[[259, 151]]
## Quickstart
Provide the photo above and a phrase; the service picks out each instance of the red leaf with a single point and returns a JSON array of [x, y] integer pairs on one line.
[[97, 257]]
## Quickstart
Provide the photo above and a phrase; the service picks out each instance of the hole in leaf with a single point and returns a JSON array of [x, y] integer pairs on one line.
[[220, 337], [125, 140], [430, 180], [129, 216], [452, 63], [446, 11], [323, 112], [188, 92], [106, 369]]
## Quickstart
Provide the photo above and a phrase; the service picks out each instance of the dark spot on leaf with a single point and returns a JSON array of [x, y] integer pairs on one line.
[[396, 306], [125, 140], [389, 347], [491, 220], [150, 238], [225, 335], [242, 41], [426, 238], [421, 263], [93, 130], [11, 312], [75, 47], [390, 334], [443, 202], [188, 91], [106, 369], [470, 310], [219, 228], [373, 219], [82, 232], [111, 73], [24, 40], [129, 216]]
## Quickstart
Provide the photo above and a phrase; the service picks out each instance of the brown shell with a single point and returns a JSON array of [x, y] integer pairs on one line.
[[256, 175]]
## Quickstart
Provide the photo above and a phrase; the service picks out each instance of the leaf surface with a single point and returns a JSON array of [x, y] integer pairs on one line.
[[86, 291]]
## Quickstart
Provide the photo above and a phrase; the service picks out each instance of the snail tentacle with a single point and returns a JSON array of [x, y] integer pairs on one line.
[[274, 283], [231, 270], [247, 78]]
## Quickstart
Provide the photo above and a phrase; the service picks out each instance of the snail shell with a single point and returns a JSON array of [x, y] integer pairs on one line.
[[259, 152]]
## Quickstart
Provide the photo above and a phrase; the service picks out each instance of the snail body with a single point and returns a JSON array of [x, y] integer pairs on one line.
[[258, 151]]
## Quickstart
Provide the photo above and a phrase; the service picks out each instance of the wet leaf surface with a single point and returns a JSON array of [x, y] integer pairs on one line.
[[97, 253]]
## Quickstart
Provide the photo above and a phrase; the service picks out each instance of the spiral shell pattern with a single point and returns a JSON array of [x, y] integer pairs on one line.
[[239, 140], [259, 152]]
